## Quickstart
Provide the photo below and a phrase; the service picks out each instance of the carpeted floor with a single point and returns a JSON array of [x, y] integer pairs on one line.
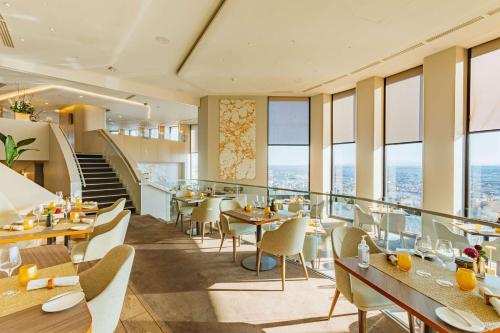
[[192, 288]]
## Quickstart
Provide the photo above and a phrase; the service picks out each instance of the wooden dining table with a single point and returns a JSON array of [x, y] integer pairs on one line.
[[471, 229], [32, 319], [411, 300], [257, 218]]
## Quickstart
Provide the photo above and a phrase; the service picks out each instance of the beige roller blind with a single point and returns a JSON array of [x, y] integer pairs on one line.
[[403, 107], [485, 87], [343, 107]]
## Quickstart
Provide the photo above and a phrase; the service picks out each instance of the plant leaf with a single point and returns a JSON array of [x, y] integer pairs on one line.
[[20, 151], [3, 138], [25, 142]]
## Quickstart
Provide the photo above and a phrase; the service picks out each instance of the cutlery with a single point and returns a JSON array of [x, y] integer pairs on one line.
[[464, 318]]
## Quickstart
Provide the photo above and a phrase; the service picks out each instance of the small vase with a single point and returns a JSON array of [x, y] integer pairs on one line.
[[481, 268], [21, 116]]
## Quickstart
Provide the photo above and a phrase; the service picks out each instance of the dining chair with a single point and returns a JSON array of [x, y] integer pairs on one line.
[[393, 223], [183, 209], [443, 232], [318, 211], [285, 241], [106, 214], [105, 285], [295, 207], [496, 252], [362, 218], [345, 242], [207, 212], [231, 227], [102, 239]]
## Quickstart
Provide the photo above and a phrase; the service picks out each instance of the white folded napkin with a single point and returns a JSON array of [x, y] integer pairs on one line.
[[496, 304], [86, 220], [63, 281], [13, 227]]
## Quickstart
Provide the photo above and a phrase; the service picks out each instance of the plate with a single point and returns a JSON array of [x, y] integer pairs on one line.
[[79, 227], [454, 320], [63, 301]]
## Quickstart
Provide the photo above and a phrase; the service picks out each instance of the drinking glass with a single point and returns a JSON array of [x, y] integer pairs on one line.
[[423, 246], [38, 211], [67, 210], [446, 254], [10, 259], [59, 194]]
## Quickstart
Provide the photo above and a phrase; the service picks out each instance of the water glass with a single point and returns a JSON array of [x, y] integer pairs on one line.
[[38, 212], [423, 246], [10, 259]]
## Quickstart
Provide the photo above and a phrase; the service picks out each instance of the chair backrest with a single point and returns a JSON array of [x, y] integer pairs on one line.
[[107, 236], [226, 205], [496, 253], [181, 194], [361, 217], [208, 211], [396, 222], [345, 241], [443, 232], [318, 210], [287, 240], [294, 207], [105, 285], [8, 213], [106, 214]]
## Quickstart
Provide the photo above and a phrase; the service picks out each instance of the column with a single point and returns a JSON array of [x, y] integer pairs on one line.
[[320, 145]]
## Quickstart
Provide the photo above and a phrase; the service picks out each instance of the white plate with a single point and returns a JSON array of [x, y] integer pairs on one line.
[[454, 320], [79, 227], [63, 301]]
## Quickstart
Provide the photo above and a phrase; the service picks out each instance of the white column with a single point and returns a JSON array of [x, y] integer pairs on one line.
[[320, 146]]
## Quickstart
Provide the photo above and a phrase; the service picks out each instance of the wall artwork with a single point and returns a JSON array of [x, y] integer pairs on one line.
[[237, 150]]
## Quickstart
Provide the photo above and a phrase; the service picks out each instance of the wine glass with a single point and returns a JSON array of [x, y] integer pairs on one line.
[[38, 211], [10, 259], [446, 254], [68, 210], [423, 246], [59, 194]]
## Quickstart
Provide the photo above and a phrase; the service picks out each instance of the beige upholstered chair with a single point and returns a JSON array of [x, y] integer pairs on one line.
[[102, 239], [496, 252], [207, 212], [345, 242], [295, 207], [318, 210], [233, 228], [105, 285], [285, 241], [362, 218], [443, 232], [393, 223], [183, 209], [104, 215]]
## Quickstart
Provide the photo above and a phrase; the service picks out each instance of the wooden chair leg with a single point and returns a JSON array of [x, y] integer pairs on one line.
[[283, 272], [239, 241], [202, 232], [334, 302], [219, 227], [234, 249], [362, 321], [190, 228], [411, 323], [222, 241], [177, 219], [302, 260], [211, 228], [259, 256]]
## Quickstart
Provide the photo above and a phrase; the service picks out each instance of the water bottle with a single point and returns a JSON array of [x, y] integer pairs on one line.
[[363, 253]]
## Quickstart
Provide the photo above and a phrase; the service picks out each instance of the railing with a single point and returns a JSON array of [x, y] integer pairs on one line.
[[80, 172]]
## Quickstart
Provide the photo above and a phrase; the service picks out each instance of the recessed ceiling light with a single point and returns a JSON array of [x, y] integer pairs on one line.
[[6, 4], [46, 103], [120, 116], [21, 39], [234, 79], [80, 96], [52, 29], [162, 40]]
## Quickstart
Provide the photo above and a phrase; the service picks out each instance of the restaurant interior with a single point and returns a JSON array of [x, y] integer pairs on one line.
[[253, 166]]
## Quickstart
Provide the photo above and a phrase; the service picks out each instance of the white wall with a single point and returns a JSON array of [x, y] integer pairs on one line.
[[21, 130]]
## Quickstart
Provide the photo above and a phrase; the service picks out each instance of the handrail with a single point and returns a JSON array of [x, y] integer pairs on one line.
[[349, 197], [80, 172], [120, 153]]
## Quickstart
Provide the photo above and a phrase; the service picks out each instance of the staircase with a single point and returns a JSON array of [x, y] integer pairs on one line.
[[103, 185]]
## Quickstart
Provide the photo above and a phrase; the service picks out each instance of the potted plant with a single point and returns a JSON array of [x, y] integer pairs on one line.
[[479, 256], [12, 149], [23, 109]]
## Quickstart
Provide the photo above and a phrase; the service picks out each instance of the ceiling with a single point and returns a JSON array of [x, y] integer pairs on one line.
[[262, 47]]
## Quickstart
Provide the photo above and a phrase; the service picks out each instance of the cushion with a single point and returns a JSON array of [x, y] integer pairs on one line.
[[78, 252], [239, 228]]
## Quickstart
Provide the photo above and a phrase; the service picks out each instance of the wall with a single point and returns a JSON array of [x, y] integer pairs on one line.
[[208, 139], [86, 118], [26, 129], [320, 148]]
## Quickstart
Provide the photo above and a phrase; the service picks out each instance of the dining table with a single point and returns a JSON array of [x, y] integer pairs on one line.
[[421, 296], [24, 313], [257, 217], [477, 230]]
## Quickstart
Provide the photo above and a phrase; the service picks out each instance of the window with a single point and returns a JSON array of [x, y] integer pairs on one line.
[[194, 151], [134, 132], [173, 133], [288, 140], [153, 133], [343, 146], [403, 138], [483, 183]]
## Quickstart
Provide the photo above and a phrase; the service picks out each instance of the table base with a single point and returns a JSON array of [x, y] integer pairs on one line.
[[266, 263]]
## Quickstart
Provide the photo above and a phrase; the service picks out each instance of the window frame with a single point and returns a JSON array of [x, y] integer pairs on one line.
[[308, 145]]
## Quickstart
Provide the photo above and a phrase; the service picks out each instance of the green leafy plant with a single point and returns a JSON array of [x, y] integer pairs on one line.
[[22, 106], [12, 151]]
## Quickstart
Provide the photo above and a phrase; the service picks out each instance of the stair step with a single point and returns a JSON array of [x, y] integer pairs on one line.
[[103, 197], [99, 175], [85, 155], [91, 160], [94, 165], [100, 181], [106, 191], [103, 186], [128, 204], [98, 169]]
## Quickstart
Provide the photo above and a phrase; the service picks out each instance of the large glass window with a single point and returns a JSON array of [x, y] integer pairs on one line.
[[403, 138], [483, 197], [288, 140]]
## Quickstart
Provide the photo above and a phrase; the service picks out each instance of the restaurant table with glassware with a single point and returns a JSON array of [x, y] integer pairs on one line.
[[477, 230], [21, 310], [257, 217], [424, 297]]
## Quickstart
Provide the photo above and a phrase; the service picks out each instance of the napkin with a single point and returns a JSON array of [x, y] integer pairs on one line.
[[63, 281], [494, 301], [86, 220], [13, 227]]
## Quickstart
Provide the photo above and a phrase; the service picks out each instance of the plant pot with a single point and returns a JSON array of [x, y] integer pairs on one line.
[[22, 116]]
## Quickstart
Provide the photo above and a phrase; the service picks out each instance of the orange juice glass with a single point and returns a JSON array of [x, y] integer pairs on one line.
[[466, 279], [404, 261], [248, 208], [267, 210], [26, 273], [28, 223], [74, 215]]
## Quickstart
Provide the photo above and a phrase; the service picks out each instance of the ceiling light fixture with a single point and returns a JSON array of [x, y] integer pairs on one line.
[[22, 40], [6, 4], [162, 40], [234, 79], [80, 96], [52, 29], [46, 103]]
